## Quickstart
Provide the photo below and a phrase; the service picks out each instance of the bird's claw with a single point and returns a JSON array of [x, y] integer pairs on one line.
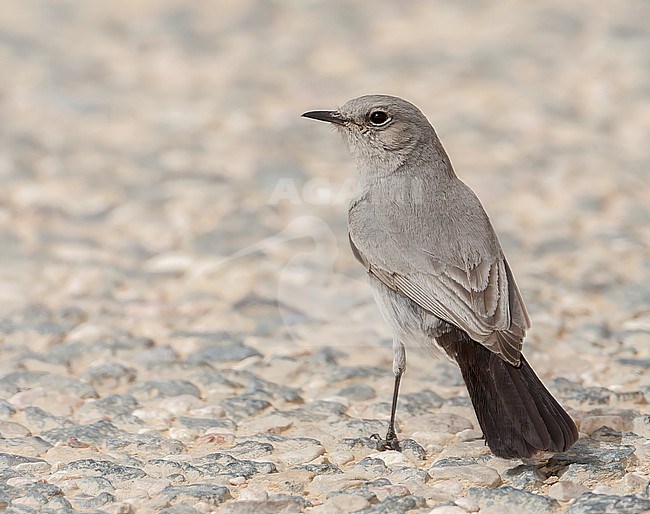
[[389, 443]]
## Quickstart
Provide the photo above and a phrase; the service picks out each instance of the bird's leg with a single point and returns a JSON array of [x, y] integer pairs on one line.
[[399, 366]]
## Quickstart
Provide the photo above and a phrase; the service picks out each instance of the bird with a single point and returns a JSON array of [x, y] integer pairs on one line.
[[439, 274]]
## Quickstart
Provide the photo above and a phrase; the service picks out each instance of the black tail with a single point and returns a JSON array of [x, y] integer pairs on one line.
[[517, 414]]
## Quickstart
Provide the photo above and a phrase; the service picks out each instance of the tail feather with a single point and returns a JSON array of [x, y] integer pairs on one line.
[[517, 414]]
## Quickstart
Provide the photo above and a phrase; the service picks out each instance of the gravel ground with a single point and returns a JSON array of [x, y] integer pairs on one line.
[[183, 327]]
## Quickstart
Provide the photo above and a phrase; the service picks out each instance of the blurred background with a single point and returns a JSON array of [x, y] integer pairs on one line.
[[157, 177]]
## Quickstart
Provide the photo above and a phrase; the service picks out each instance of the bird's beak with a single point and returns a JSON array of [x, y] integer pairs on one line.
[[329, 116]]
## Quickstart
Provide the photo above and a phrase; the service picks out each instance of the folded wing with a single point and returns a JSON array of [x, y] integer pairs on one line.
[[483, 300]]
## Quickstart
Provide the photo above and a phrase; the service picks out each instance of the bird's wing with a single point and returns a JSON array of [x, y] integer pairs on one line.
[[482, 300]]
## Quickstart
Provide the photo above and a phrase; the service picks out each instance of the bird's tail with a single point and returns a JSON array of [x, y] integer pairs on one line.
[[517, 414]]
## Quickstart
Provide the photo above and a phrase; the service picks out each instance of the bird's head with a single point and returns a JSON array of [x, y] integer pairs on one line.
[[382, 131]]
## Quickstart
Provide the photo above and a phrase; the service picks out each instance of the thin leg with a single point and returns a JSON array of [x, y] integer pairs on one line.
[[399, 366], [391, 436]]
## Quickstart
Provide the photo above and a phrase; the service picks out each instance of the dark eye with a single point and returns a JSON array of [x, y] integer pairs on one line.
[[379, 117]]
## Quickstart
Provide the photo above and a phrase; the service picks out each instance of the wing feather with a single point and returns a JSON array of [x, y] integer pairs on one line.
[[483, 300]]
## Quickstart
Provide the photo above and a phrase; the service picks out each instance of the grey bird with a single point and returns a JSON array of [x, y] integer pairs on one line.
[[439, 275]]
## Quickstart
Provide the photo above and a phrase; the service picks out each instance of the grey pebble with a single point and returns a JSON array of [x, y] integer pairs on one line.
[[266, 313], [7, 473], [154, 357], [358, 392], [205, 423], [326, 355], [227, 352], [340, 373], [458, 401], [524, 477], [420, 403], [250, 450], [221, 459], [93, 486], [209, 493], [105, 434], [410, 447], [43, 420], [592, 452], [594, 395], [6, 410], [67, 353], [9, 460], [8, 493], [216, 464], [216, 338], [374, 465], [248, 468], [22, 380], [178, 479], [376, 483], [255, 386], [320, 469], [40, 491], [19, 508], [31, 314], [606, 434], [278, 439], [71, 316], [124, 344], [591, 462], [153, 443], [84, 501], [514, 500], [19, 445], [112, 404], [235, 378], [317, 411], [627, 415], [592, 474], [395, 505], [58, 504], [637, 363], [453, 462], [270, 390], [359, 428], [361, 490], [164, 468], [576, 392], [104, 469], [378, 409], [164, 389], [244, 406], [409, 474], [109, 375], [590, 503], [37, 318]]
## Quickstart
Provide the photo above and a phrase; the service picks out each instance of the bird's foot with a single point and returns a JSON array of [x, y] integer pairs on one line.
[[389, 443]]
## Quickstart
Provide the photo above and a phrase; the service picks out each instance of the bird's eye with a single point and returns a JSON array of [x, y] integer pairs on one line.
[[379, 118]]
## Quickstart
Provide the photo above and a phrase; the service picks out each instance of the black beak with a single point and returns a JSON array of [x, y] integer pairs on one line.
[[329, 116]]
